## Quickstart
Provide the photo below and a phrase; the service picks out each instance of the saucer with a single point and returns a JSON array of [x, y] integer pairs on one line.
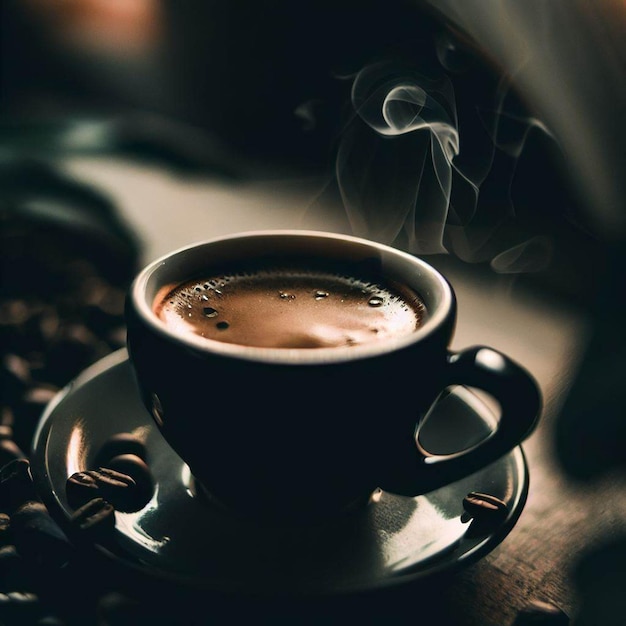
[[180, 536]]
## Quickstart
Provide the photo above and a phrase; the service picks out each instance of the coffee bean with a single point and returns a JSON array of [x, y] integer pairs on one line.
[[486, 513], [16, 485], [49, 324], [18, 598], [539, 613], [482, 505], [18, 367], [94, 519], [5, 529], [39, 396], [38, 537], [81, 487], [8, 553], [19, 607], [138, 470], [14, 378], [7, 419], [14, 312], [120, 444], [117, 488]]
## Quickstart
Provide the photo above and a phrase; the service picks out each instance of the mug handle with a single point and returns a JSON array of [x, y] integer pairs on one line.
[[520, 402]]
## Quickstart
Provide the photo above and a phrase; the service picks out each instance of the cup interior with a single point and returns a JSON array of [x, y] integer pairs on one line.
[[300, 246]]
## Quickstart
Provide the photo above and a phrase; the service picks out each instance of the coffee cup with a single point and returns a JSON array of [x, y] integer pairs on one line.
[[292, 370]]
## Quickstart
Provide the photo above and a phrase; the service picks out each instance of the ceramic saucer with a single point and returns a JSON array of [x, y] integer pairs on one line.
[[178, 535]]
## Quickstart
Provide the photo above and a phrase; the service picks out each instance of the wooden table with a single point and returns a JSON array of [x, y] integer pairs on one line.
[[563, 518]]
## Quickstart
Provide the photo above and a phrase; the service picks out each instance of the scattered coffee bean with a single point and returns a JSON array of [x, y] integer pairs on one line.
[[38, 537], [5, 529], [40, 396], [120, 444], [49, 323], [484, 505], [81, 487], [16, 485], [19, 607], [61, 309], [539, 613], [138, 470], [7, 419], [117, 488], [94, 519], [14, 312], [17, 366], [8, 554], [18, 597], [484, 511], [14, 378]]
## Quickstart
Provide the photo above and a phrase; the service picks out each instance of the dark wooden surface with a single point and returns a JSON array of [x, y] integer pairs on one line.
[[564, 518]]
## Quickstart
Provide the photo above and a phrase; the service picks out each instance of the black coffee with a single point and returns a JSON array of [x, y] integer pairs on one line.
[[290, 308]]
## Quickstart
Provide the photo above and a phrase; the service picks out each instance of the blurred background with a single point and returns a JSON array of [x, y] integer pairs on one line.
[[487, 136]]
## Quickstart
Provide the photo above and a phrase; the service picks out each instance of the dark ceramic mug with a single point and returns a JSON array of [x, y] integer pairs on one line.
[[304, 434]]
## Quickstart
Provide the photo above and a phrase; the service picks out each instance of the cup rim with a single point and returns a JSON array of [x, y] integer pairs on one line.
[[294, 356]]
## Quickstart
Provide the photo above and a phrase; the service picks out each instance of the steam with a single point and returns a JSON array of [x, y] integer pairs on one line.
[[409, 172], [402, 180], [568, 58], [408, 157], [529, 256]]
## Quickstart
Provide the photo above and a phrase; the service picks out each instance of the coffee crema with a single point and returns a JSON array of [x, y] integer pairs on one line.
[[290, 308]]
